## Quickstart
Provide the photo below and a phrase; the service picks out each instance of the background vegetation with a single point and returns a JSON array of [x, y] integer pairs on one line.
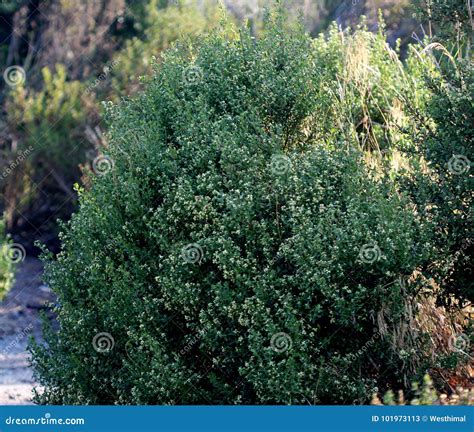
[[8, 260]]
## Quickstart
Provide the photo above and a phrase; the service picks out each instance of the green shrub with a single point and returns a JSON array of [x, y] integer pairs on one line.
[[9, 257], [50, 119], [159, 28], [226, 254], [50, 126], [440, 180], [363, 86], [443, 192]]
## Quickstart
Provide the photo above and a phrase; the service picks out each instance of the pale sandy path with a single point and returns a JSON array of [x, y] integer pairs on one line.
[[19, 319]]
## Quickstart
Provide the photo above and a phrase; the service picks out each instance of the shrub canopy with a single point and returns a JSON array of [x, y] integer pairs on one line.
[[229, 253]]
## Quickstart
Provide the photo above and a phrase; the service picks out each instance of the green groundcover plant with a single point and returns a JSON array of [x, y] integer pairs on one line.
[[226, 253], [426, 394], [10, 255]]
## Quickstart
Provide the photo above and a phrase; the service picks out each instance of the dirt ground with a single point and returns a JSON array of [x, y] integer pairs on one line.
[[19, 319]]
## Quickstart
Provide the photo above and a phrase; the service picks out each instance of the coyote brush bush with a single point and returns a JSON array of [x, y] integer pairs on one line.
[[227, 256]]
